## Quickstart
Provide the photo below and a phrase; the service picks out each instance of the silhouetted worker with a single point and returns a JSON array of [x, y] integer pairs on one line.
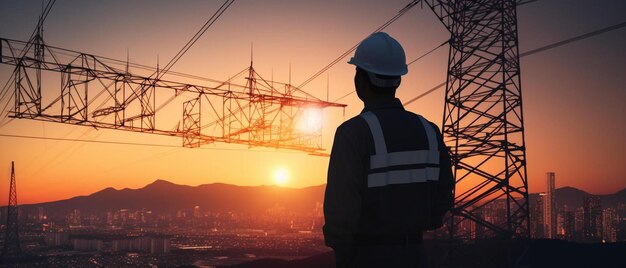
[[389, 176]]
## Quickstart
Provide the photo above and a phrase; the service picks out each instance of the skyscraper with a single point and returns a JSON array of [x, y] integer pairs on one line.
[[570, 225], [593, 219], [196, 212], [609, 232], [40, 214], [536, 216], [549, 208]]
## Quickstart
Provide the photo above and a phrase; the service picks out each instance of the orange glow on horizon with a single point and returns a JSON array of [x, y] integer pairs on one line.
[[281, 177]]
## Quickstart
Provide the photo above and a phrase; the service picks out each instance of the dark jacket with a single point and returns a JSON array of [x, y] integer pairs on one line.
[[352, 208]]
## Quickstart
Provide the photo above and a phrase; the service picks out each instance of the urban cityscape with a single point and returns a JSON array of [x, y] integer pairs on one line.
[[593, 220], [192, 235], [567, 214], [155, 133], [56, 234]]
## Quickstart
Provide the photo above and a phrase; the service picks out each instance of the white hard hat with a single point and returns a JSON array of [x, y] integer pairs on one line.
[[380, 54]]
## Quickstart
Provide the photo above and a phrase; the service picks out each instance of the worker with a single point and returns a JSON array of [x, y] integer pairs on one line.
[[389, 176]]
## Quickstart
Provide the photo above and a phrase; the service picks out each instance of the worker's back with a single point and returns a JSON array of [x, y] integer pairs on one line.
[[390, 202], [389, 175]]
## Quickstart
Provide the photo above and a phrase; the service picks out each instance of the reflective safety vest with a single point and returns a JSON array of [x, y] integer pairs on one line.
[[419, 165]]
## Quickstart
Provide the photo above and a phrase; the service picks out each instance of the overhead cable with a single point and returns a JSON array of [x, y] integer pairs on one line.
[[345, 54], [537, 50]]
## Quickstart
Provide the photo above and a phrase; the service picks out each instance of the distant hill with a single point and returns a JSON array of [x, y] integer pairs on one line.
[[166, 197], [574, 198]]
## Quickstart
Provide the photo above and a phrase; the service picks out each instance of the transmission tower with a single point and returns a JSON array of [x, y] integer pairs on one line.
[[11, 246], [482, 119], [103, 93]]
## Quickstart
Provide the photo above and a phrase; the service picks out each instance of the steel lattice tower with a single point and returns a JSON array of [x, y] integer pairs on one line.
[[482, 119], [12, 239]]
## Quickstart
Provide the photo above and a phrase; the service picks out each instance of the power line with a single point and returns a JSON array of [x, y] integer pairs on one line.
[[197, 36], [345, 54], [160, 73], [525, 2], [524, 54], [537, 50], [573, 39], [427, 53], [413, 61], [131, 143], [425, 93], [382, 27], [42, 18]]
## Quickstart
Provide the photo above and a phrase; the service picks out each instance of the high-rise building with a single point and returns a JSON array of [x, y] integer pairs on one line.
[[560, 225], [569, 226], [593, 219], [536, 216], [109, 218], [549, 208], [75, 218], [40, 214], [124, 216], [609, 231], [579, 224], [196, 212]]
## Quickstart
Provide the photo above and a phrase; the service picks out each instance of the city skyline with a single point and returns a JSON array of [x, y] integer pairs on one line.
[[54, 170], [580, 216], [158, 181], [260, 185], [212, 224], [127, 146]]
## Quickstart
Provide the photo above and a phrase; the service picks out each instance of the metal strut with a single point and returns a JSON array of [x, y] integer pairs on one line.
[[483, 121]]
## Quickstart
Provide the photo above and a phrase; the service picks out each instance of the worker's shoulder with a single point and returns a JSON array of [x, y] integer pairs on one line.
[[418, 116], [354, 124]]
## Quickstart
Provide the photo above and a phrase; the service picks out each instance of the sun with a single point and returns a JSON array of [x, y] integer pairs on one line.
[[310, 121], [281, 176]]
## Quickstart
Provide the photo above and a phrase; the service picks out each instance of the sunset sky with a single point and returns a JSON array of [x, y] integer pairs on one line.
[[574, 113]]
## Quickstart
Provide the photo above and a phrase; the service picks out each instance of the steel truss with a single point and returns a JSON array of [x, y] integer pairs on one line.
[[11, 247], [482, 119], [103, 93]]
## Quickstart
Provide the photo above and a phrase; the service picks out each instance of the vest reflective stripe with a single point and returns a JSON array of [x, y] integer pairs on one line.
[[403, 176], [432, 137], [383, 159], [404, 158], [377, 132]]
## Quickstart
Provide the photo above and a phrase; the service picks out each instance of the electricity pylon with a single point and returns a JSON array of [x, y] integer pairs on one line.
[[11, 246], [103, 93], [482, 119]]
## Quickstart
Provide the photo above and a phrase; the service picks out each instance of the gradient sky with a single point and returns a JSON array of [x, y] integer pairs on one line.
[[573, 95]]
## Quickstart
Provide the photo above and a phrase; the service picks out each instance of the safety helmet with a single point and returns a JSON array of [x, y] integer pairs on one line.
[[380, 54]]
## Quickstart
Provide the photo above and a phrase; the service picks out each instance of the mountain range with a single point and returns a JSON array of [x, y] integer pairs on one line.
[[163, 196], [573, 198]]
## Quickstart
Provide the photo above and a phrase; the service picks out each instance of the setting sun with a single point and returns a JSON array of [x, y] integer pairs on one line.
[[281, 177]]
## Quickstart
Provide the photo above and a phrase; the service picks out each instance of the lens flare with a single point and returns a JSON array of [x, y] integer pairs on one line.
[[310, 121]]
